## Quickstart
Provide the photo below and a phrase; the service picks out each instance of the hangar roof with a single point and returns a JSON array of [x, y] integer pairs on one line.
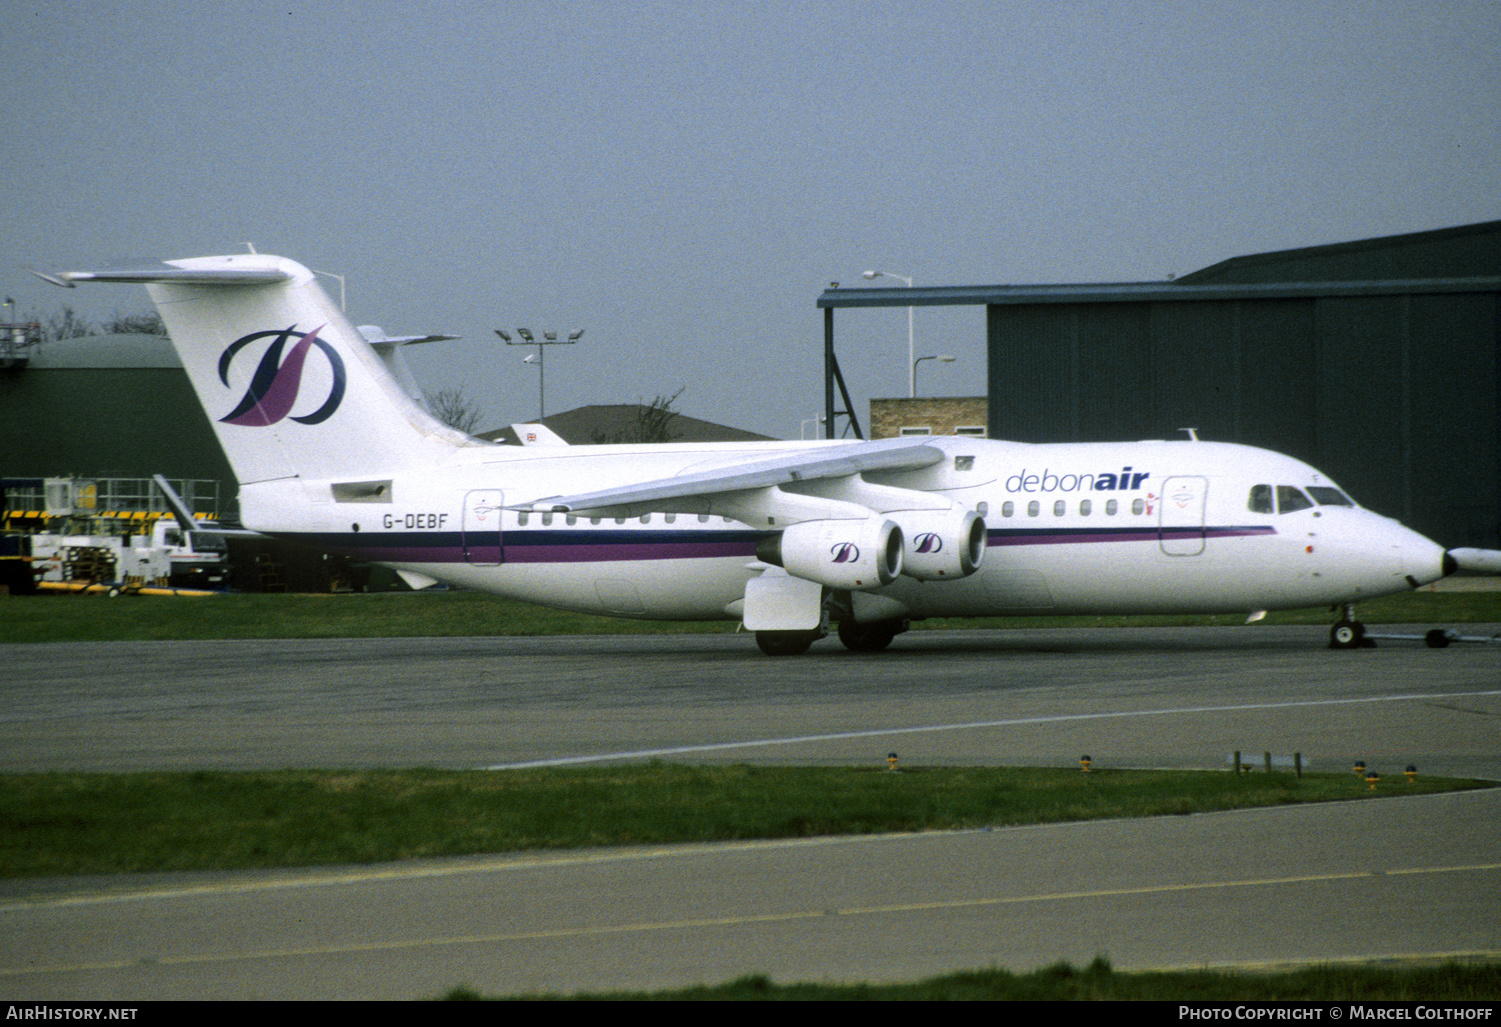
[[1448, 260], [1464, 251], [581, 426], [1141, 292], [106, 351]]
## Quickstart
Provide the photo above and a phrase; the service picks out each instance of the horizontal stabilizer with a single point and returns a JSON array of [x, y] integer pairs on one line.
[[171, 275]]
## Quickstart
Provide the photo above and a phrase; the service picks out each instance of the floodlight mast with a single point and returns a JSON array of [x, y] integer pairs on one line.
[[549, 338]]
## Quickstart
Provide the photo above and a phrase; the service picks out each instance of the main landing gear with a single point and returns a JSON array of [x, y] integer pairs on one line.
[[869, 638], [786, 643], [1348, 633], [857, 638]]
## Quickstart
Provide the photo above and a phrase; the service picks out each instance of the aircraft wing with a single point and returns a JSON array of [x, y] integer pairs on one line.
[[806, 465]]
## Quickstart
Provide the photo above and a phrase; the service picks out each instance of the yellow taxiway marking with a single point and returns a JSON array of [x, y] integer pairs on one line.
[[728, 921]]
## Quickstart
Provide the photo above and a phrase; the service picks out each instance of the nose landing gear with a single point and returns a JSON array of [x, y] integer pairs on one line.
[[1347, 632]]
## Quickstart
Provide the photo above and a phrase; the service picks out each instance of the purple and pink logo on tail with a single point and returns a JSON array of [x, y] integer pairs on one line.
[[275, 385]]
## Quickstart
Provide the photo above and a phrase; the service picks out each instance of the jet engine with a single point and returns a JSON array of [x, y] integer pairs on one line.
[[853, 554], [941, 544]]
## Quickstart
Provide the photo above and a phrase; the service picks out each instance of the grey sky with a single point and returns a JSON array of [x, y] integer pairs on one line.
[[682, 179]]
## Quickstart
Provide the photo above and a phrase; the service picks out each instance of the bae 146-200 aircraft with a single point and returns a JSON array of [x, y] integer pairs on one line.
[[319, 423]]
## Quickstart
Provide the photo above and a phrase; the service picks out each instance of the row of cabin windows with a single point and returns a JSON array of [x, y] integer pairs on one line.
[[1267, 499], [1264, 499], [1086, 507], [524, 517]]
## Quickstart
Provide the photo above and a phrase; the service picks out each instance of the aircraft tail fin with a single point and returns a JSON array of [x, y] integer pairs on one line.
[[291, 387]]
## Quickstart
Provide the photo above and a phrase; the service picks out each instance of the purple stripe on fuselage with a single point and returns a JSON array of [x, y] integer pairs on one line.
[[533, 547], [1073, 536], [574, 546]]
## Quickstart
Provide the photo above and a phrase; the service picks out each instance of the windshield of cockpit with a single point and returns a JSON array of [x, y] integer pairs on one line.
[[1272, 499]]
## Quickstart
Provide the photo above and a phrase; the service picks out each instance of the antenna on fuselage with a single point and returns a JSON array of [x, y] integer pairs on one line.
[[1193, 433]]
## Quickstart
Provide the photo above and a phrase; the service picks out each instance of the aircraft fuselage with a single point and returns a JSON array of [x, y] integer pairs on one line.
[[1150, 527]]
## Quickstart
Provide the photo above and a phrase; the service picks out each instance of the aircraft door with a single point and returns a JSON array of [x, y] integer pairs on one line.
[[1180, 524], [481, 528]]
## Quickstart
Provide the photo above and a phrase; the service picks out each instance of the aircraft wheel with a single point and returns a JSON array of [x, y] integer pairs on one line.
[[865, 638], [1347, 635], [1438, 638], [785, 643]]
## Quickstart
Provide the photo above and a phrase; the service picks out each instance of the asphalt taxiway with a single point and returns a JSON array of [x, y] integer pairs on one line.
[[1401, 879]]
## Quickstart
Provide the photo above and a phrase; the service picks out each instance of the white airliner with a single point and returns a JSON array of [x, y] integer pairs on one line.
[[330, 449]]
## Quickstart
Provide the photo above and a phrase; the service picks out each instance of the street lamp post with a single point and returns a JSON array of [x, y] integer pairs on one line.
[[549, 338], [944, 357], [911, 354]]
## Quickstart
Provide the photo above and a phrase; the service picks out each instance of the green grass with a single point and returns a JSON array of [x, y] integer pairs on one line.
[[65, 618], [66, 824], [1061, 982], [77, 618]]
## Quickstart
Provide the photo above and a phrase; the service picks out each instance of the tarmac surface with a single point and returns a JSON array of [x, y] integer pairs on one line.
[[1401, 879]]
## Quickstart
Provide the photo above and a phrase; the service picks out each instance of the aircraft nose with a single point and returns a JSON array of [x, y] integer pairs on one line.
[[1424, 561]]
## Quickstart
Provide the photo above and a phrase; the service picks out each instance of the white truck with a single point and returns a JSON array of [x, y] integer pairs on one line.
[[168, 555]]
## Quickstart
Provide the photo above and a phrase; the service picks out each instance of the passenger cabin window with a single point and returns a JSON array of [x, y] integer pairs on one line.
[[1008, 508]]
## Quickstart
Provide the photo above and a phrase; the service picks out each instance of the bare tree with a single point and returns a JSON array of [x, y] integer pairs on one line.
[[654, 419], [454, 409], [147, 322], [653, 423], [66, 324]]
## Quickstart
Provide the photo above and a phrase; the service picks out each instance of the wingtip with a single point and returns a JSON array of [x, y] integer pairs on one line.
[[60, 279]]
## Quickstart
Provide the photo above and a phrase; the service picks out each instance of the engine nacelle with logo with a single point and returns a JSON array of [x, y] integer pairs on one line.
[[942, 545], [853, 554]]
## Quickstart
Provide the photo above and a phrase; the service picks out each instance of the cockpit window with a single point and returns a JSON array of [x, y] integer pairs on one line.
[[1325, 496], [1267, 499], [1290, 499]]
